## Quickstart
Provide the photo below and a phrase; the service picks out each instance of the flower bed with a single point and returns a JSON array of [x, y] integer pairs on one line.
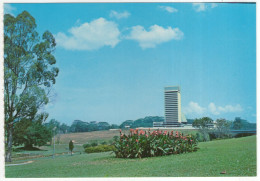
[[139, 144]]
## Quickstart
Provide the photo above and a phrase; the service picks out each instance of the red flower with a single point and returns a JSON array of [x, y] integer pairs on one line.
[[190, 140], [141, 132], [137, 140], [146, 136]]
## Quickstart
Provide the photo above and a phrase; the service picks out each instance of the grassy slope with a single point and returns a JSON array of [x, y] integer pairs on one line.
[[236, 156]]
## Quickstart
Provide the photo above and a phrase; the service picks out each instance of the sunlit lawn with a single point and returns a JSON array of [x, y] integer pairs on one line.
[[237, 157]]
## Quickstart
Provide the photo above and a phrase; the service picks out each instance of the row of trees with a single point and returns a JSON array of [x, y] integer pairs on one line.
[[205, 125], [142, 122], [221, 127], [83, 126], [37, 132]]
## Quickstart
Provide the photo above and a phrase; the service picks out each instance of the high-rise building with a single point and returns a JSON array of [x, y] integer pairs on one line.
[[172, 106], [172, 100]]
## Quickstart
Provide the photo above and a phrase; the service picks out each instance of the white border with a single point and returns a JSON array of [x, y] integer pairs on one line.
[[2, 163], [120, 1]]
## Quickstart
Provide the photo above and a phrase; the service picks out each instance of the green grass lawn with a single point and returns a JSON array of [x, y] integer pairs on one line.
[[44, 151], [237, 157]]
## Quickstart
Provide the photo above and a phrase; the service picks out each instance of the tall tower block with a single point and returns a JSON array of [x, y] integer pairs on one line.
[[172, 99]]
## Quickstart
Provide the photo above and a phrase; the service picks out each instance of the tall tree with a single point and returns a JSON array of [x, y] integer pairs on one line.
[[204, 124], [29, 71], [64, 128], [222, 127]]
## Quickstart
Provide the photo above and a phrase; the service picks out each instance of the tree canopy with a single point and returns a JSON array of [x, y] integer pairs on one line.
[[29, 71]]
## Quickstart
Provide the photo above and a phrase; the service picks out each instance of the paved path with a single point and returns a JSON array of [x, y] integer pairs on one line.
[[19, 163]]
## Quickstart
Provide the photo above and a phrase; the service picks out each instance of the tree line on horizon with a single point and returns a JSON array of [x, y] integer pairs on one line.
[[83, 126]]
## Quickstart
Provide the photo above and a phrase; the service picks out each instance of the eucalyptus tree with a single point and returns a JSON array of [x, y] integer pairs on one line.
[[203, 124], [223, 128], [29, 72]]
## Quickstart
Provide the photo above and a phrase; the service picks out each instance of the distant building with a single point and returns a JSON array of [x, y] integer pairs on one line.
[[172, 106]]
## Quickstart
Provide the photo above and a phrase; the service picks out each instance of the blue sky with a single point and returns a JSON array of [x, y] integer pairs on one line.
[[116, 58]]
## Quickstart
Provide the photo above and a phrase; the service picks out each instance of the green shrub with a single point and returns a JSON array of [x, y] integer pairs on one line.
[[199, 137], [157, 143], [100, 148], [94, 144], [87, 145], [116, 138], [104, 143], [202, 136]]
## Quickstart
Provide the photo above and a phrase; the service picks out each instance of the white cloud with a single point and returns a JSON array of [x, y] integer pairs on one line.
[[230, 108], [213, 5], [90, 36], [156, 35], [198, 7], [8, 9], [213, 109], [169, 9], [117, 15], [194, 108]]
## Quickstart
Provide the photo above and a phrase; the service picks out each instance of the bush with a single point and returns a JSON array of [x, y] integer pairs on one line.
[[202, 136], [87, 145], [244, 134], [94, 144], [213, 135], [104, 143], [100, 148], [142, 144], [199, 137]]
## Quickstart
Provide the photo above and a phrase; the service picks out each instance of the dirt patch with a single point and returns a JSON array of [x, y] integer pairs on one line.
[[24, 163]]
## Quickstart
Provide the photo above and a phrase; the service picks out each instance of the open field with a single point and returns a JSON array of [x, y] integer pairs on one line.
[[79, 139], [237, 157], [82, 138]]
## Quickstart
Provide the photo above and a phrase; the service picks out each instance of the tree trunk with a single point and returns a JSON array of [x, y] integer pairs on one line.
[[8, 153]]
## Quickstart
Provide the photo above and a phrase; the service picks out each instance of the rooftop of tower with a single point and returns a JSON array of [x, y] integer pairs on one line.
[[172, 88]]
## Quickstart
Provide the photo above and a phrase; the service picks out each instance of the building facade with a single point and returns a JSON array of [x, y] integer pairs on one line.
[[172, 106]]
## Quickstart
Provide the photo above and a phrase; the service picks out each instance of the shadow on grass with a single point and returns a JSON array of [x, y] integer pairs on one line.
[[28, 149]]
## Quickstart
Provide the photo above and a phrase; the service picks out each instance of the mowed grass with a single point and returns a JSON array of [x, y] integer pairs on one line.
[[237, 157], [44, 151]]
